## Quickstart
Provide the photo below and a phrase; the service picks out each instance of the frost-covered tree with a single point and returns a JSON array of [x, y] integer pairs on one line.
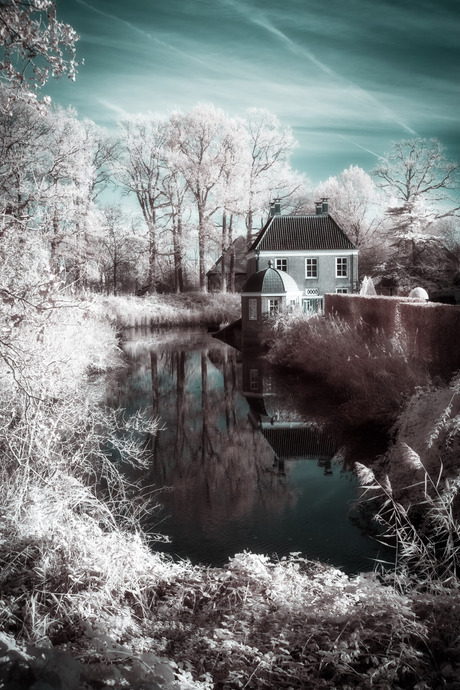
[[48, 181], [355, 203], [23, 140], [141, 168], [204, 141], [104, 147], [176, 195], [121, 248], [34, 46], [66, 184], [421, 188], [270, 147], [420, 183]]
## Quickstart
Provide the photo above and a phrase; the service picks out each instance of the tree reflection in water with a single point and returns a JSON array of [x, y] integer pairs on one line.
[[246, 469]]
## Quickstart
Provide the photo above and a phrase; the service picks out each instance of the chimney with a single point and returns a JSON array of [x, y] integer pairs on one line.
[[272, 210], [277, 207], [324, 205], [318, 207]]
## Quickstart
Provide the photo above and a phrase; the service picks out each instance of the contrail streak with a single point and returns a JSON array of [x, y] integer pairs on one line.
[[260, 20]]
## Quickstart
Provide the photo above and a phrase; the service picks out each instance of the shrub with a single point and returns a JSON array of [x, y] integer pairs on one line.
[[373, 376]]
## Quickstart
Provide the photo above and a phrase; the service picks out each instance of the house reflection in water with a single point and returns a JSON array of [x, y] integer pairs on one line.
[[287, 433]]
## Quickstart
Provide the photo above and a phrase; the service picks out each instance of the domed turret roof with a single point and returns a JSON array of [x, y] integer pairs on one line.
[[270, 281]]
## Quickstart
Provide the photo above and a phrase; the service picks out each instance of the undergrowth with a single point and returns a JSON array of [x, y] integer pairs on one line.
[[86, 602], [373, 376]]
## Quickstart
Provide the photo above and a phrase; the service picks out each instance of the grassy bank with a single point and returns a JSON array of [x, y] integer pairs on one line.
[[86, 602], [189, 309]]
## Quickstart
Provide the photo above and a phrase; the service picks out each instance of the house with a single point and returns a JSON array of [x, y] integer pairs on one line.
[[312, 249], [236, 263]]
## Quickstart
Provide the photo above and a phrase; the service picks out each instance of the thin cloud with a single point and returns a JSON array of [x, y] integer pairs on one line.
[[108, 15], [114, 107], [260, 20], [341, 136], [135, 28]]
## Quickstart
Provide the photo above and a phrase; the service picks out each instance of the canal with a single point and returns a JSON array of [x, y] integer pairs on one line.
[[245, 459]]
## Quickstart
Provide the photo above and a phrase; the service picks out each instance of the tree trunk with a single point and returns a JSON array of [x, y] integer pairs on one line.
[[115, 270], [153, 257], [224, 249], [54, 240], [202, 250], [249, 222], [231, 263], [177, 253]]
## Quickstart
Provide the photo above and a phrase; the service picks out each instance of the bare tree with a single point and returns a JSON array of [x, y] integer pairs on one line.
[[269, 146], [121, 248], [203, 140], [419, 181], [355, 203], [140, 169], [175, 192]]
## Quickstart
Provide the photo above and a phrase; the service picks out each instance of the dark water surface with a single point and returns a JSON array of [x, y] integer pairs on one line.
[[251, 460]]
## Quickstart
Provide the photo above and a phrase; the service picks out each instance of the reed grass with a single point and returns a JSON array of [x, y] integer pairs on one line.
[[188, 309], [373, 376]]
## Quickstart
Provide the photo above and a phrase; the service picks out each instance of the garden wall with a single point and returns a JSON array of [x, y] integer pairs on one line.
[[430, 331]]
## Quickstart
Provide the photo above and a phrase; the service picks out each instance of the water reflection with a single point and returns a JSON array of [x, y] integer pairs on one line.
[[289, 434], [246, 469]]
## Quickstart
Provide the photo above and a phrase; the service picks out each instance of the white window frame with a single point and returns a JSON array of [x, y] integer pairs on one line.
[[252, 309], [274, 306], [312, 305], [281, 260], [342, 291], [313, 263], [341, 267]]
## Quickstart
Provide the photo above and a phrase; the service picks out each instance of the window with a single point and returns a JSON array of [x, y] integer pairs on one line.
[[252, 309], [342, 291], [273, 307], [311, 268], [281, 264], [341, 267], [253, 379], [313, 305]]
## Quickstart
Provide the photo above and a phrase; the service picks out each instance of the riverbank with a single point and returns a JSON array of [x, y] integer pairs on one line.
[[87, 602], [188, 309]]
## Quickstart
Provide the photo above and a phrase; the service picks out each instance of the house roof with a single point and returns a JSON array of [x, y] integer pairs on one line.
[[299, 442], [312, 232], [240, 258], [270, 281]]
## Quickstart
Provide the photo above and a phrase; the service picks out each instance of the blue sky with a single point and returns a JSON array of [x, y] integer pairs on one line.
[[348, 77]]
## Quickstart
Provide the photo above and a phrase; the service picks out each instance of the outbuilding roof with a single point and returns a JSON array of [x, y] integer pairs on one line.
[[239, 245], [270, 281], [306, 232]]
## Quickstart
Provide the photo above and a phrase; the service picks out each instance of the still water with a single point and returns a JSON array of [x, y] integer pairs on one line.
[[245, 459]]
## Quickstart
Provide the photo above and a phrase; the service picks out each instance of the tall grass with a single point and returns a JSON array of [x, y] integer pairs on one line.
[[188, 309], [373, 376], [422, 522]]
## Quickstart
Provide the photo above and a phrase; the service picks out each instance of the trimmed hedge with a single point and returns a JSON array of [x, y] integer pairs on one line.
[[430, 331]]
